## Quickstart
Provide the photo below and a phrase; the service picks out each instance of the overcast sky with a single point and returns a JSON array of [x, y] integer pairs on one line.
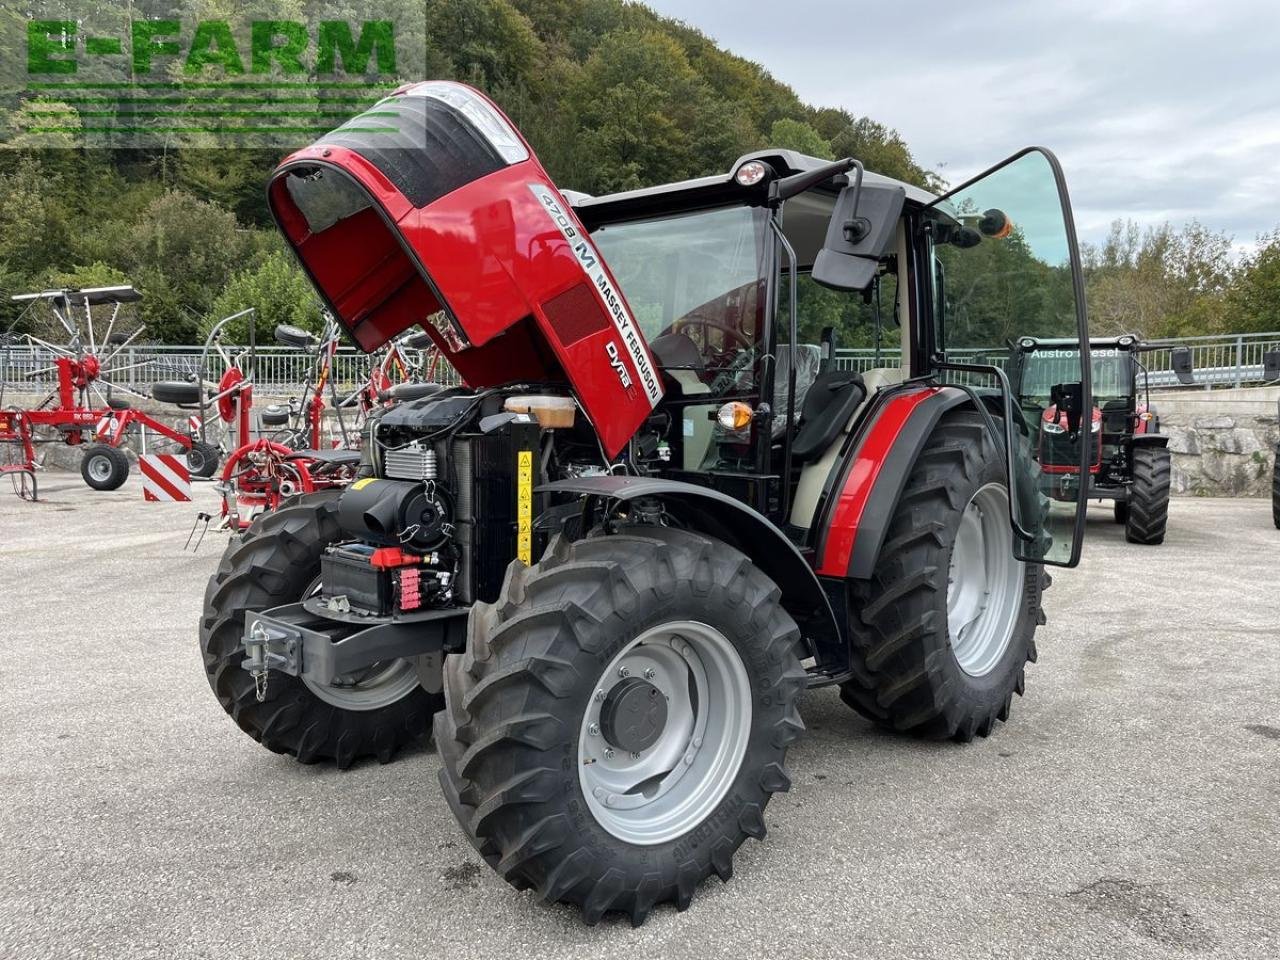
[[1159, 109]]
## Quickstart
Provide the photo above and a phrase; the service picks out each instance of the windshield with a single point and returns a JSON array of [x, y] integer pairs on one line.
[[696, 284], [1045, 367]]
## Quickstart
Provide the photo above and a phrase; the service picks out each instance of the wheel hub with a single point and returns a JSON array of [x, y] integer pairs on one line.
[[633, 715]]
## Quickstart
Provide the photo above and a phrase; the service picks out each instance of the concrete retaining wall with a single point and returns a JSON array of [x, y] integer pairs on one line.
[[1223, 441]]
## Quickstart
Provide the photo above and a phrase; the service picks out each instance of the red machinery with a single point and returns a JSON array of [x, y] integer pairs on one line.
[[67, 415], [264, 470]]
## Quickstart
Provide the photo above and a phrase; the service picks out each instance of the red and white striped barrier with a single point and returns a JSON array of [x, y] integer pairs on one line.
[[165, 478]]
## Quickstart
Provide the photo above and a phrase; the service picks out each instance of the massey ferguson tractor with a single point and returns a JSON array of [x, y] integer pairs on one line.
[[1128, 457], [609, 566]]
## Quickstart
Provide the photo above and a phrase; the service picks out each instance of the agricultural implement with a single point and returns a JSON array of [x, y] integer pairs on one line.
[[1128, 457], [657, 514], [84, 409]]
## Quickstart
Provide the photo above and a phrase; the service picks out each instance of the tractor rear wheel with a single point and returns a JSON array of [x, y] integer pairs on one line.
[[942, 631], [202, 459], [620, 718], [1275, 488], [1149, 495], [277, 561], [104, 467]]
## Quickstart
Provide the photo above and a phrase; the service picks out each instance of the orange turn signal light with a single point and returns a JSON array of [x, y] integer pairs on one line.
[[735, 415]]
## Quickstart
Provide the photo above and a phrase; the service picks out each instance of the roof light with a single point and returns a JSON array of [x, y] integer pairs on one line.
[[491, 124], [751, 173], [734, 415]]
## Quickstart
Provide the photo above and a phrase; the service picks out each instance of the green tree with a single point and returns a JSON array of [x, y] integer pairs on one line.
[[277, 290], [797, 135], [1253, 301]]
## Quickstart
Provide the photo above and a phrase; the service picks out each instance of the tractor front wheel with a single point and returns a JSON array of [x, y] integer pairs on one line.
[[104, 467], [943, 630], [277, 561], [1122, 512], [1149, 496], [620, 718]]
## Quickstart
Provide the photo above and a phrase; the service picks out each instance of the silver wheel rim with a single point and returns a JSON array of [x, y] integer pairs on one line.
[[100, 468], [672, 786], [380, 685], [984, 583]]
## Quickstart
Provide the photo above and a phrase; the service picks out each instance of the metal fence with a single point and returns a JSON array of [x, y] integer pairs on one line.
[[1219, 361]]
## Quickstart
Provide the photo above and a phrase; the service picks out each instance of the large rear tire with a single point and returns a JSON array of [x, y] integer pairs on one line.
[[537, 761], [104, 467], [942, 631], [1149, 495], [275, 562], [1275, 489]]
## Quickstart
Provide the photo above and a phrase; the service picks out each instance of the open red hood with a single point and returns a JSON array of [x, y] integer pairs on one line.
[[430, 208]]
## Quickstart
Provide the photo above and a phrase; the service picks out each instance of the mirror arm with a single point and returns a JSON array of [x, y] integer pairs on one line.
[[797, 183]]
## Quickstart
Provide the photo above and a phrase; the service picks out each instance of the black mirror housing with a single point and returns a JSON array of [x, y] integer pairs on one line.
[[862, 229], [1180, 357]]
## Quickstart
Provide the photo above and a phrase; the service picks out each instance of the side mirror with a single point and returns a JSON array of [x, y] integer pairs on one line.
[[862, 229], [1069, 399], [1271, 365], [1180, 357]]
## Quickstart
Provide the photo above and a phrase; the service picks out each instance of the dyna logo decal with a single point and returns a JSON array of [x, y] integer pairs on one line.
[[589, 260]]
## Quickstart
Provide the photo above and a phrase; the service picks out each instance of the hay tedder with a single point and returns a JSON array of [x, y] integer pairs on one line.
[[660, 510], [85, 408]]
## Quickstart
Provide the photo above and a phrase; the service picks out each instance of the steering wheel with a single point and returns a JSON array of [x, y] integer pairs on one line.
[[682, 325]]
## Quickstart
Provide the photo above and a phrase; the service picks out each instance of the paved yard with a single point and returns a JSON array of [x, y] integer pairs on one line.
[[1131, 808]]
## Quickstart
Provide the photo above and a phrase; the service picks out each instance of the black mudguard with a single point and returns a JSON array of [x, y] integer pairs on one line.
[[717, 515]]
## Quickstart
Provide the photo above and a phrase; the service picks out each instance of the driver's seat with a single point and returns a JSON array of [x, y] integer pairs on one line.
[[807, 358]]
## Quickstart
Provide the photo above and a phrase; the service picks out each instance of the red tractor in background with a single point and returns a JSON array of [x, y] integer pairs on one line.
[[1128, 457], [658, 512]]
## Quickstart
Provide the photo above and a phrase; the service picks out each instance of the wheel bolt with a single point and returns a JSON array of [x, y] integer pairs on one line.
[[610, 800], [594, 729], [649, 673], [598, 793], [697, 743], [624, 671], [608, 753], [599, 695], [634, 755]]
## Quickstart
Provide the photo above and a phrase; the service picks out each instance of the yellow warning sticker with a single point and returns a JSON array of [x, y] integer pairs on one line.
[[361, 484], [524, 505]]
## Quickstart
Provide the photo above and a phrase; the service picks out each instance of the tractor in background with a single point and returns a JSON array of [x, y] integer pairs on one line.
[[1128, 457], [658, 512]]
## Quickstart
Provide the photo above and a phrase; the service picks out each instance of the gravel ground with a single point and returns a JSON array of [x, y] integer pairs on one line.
[[1129, 808]]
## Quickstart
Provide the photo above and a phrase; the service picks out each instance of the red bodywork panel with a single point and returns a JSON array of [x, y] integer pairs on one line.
[[527, 295], [861, 478]]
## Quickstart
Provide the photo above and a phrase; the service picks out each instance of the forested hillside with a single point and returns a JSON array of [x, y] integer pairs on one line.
[[611, 96]]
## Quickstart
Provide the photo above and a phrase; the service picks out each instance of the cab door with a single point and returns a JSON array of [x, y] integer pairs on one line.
[[1004, 266]]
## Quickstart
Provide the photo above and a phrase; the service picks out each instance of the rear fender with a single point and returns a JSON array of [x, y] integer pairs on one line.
[[1149, 440], [717, 515], [873, 474]]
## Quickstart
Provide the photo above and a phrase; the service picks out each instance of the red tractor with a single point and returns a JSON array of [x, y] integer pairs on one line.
[[660, 510], [1128, 457]]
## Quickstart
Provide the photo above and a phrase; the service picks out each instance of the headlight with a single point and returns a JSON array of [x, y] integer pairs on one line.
[[1051, 426], [1096, 427]]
